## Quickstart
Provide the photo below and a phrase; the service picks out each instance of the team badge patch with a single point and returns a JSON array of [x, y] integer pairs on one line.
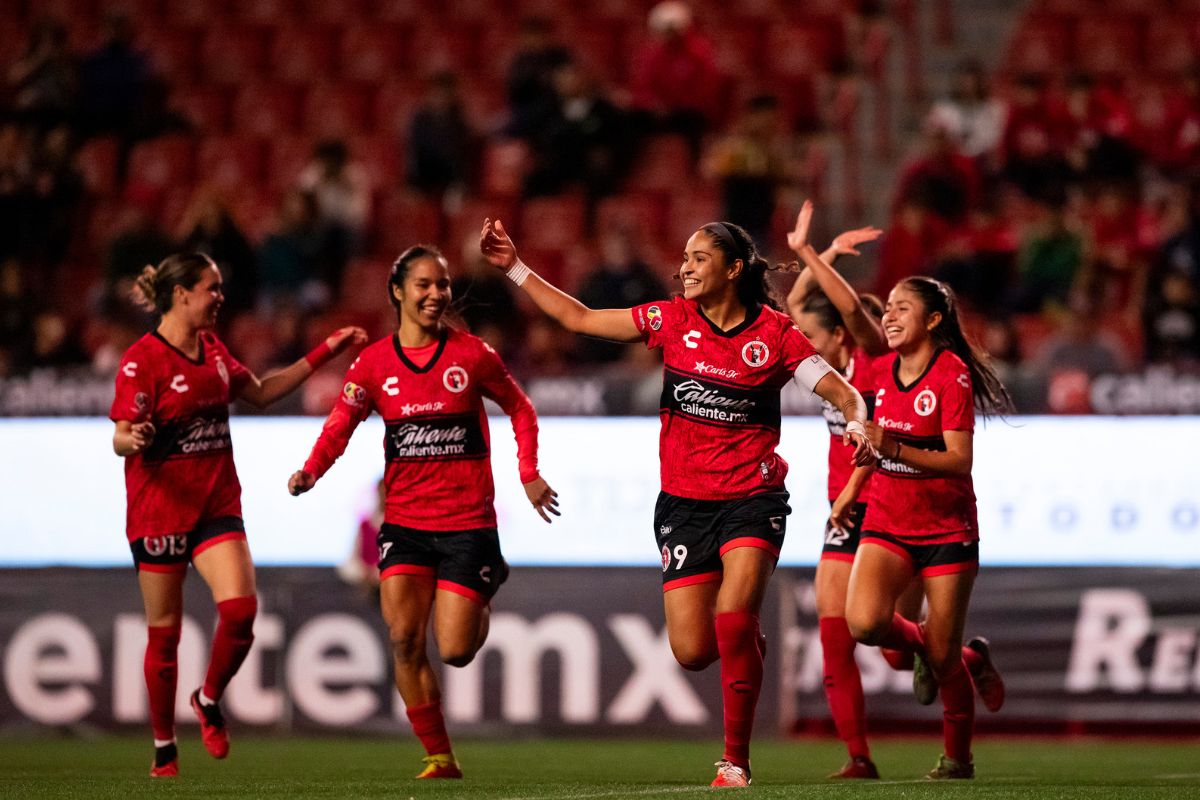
[[141, 401], [223, 371], [455, 379], [925, 402], [353, 394], [666, 558], [755, 353], [654, 317]]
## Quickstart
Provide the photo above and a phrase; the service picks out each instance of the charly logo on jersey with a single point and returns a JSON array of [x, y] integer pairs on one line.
[[964, 380], [455, 379], [130, 369], [353, 394], [654, 317], [222, 370], [756, 353], [925, 402], [691, 340], [450, 437], [179, 383], [704, 368]]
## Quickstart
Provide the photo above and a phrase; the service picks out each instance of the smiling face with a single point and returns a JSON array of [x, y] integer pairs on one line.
[[200, 304], [906, 324], [425, 294], [705, 275]]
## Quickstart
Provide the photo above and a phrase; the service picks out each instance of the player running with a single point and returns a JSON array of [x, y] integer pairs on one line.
[[720, 518], [171, 409], [922, 520], [439, 551]]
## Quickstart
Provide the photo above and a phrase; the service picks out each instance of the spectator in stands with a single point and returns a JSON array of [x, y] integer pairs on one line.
[[1048, 260], [529, 83], [911, 245], [443, 148], [750, 163], [342, 189], [16, 317], [580, 139], [16, 172], [55, 198], [1122, 235], [1082, 344], [292, 260], [139, 241], [947, 181], [674, 78], [54, 343], [1034, 142], [208, 227], [546, 351], [1099, 132], [622, 279], [43, 82], [979, 258], [972, 115]]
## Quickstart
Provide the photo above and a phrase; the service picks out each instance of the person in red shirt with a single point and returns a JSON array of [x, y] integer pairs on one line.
[[922, 521], [439, 551], [721, 515], [171, 409]]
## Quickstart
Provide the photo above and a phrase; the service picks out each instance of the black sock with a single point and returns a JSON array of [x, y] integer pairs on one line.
[[165, 755]]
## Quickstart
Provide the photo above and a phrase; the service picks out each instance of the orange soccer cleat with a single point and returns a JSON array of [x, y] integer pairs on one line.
[[442, 765], [730, 775]]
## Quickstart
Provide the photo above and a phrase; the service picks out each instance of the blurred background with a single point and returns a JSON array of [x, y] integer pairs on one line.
[[1039, 156]]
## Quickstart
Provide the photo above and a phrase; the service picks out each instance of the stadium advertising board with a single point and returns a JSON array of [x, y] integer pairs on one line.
[[584, 649], [1082, 491]]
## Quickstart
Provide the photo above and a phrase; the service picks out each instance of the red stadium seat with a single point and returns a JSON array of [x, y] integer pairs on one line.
[[1170, 44], [380, 155], [451, 47], [552, 223], [1042, 44], [505, 163], [739, 49], [286, 158], [195, 13], [162, 162], [230, 162], [302, 54], [803, 49], [339, 13], [372, 53], [405, 219], [337, 110], [471, 10], [142, 12], [395, 103], [255, 213], [665, 164], [206, 107], [232, 55], [172, 52], [270, 13], [266, 110], [363, 285], [690, 210], [1110, 45], [642, 213], [405, 11], [97, 162]]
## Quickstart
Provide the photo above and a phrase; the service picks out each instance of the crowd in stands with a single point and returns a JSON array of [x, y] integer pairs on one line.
[[302, 148]]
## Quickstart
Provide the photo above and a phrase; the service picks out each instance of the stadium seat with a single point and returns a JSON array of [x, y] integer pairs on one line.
[[380, 154], [372, 53], [336, 110], [664, 165], [1041, 44], [195, 13], [232, 55], [97, 162], [402, 11], [803, 49], [643, 213], [405, 219], [205, 107], [230, 162], [255, 213], [162, 162], [552, 223], [287, 157], [1170, 43], [302, 53], [339, 13], [266, 109], [268, 13], [172, 53], [450, 47], [505, 162], [1110, 45], [689, 210], [739, 49]]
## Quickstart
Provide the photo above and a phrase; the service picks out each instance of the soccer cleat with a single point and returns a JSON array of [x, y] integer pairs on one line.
[[925, 685], [988, 682], [730, 775], [948, 769], [857, 767], [166, 762], [442, 765], [212, 727]]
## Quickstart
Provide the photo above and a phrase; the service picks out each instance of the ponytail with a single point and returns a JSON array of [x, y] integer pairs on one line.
[[154, 289]]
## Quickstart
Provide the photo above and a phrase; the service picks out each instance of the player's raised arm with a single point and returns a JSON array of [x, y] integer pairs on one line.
[[262, 392], [614, 324]]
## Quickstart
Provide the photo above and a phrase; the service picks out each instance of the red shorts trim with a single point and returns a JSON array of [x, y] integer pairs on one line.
[[750, 541], [847, 557], [416, 570], [886, 545], [222, 537], [950, 569], [458, 588], [692, 580], [179, 568]]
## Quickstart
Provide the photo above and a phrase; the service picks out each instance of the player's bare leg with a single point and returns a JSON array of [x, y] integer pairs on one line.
[[689, 611], [877, 580], [162, 597], [229, 572]]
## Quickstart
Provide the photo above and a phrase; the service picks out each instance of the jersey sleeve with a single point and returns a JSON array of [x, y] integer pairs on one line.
[[652, 321], [348, 411], [135, 394], [957, 403], [802, 359], [498, 384], [239, 376]]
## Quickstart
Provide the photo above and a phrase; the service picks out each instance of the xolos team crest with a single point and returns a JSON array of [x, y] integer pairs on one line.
[[755, 353]]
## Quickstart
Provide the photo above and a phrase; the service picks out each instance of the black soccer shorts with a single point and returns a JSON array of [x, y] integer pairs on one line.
[[464, 562]]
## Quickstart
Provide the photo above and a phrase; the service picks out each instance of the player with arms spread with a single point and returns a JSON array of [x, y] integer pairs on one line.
[[171, 409], [720, 517], [439, 551]]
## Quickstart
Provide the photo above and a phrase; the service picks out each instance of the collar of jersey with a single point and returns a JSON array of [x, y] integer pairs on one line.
[[408, 362], [199, 362], [896, 371], [752, 315]]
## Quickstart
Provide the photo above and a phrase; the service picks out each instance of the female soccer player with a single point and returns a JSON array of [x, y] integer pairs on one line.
[[439, 552], [720, 517], [171, 410], [922, 520]]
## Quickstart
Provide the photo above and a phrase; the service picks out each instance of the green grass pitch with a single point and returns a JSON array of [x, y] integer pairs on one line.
[[580, 769]]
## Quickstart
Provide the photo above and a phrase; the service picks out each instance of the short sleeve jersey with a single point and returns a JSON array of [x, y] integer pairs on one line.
[[436, 441], [720, 398], [860, 373], [187, 474], [907, 502]]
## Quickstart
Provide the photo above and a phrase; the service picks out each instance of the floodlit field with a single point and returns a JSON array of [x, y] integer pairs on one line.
[[298, 768]]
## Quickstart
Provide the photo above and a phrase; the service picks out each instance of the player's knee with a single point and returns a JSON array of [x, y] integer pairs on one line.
[[458, 657], [866, 629], [943, 657], [693, 658], [408, 643]]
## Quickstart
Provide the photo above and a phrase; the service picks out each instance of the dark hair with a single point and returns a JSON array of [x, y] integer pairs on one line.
[[820, 306], [751, 283], [872, 304], [155, 289], [990, 395]]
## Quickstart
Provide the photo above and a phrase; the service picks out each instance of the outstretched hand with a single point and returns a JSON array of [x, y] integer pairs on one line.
[[847, 242], [497, 248], [798, 237], [342, 338], [300, 482], [543, 498]]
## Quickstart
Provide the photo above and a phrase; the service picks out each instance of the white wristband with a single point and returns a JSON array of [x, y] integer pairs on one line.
[[518, 272], [856, 427]]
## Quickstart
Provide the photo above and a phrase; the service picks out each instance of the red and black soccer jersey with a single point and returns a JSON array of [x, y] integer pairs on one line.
[[186, 475], [720, 397], [905, 501], [860, 373], [437, 445]]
